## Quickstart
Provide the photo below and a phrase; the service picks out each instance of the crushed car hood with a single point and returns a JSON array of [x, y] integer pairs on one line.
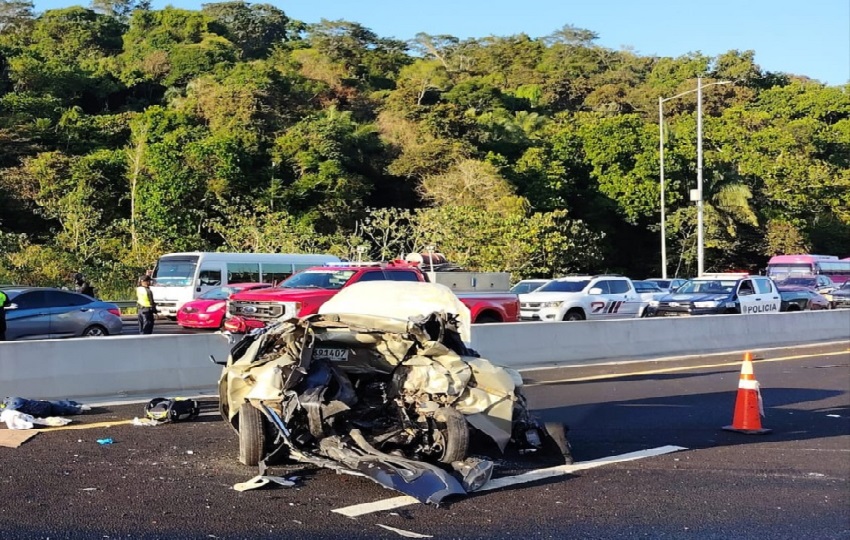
[[400, 300]]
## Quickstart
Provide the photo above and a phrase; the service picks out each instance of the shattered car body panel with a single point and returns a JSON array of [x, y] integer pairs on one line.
[[399, 300], [389, 399]]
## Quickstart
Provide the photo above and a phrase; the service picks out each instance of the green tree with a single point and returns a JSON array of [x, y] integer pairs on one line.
[[327, 163], [254, 28]]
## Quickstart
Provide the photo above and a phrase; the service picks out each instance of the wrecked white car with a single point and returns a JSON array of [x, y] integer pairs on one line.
[[397, 401]]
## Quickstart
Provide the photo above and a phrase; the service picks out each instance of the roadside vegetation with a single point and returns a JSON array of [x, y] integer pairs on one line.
[[127, 132]]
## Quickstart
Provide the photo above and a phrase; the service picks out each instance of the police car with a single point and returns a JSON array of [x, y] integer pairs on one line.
[[722, 293]]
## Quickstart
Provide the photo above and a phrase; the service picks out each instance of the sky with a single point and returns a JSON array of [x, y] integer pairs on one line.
[[801, 37]]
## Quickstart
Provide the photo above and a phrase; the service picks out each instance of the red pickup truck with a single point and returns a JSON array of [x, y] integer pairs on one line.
[[303, 294]]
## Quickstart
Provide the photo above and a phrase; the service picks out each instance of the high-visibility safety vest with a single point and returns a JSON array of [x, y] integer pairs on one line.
[[143, 297], [3, 299]]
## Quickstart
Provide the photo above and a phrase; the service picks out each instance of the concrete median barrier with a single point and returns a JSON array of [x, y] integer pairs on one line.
[[533, 344], [110, 366], [175, 364]]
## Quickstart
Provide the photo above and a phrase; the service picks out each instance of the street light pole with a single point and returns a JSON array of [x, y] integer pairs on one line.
[[700, 238], [661, 154], [699, 201]]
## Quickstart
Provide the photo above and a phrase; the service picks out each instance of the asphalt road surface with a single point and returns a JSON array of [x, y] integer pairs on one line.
[[175, 480]]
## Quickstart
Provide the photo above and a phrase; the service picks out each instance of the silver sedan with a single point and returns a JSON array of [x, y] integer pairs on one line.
[[42, 313]]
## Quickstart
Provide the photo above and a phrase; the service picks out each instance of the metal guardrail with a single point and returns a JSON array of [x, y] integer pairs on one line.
[[123, 305]]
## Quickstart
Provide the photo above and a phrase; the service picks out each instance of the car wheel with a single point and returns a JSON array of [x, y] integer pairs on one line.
[[487, 319], [574, 315], [454, 432], [252, 437], [95, 330]]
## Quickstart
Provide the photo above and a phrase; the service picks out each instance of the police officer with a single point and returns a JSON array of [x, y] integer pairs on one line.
[[146, 305], [4, 301]]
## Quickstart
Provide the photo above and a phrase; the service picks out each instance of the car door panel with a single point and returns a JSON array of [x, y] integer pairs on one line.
[[70, 313], [748, 298], [633, 302], [30, 319], [768, 295]]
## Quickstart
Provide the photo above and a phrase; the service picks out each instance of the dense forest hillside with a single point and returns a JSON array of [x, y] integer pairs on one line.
[[127, 132]]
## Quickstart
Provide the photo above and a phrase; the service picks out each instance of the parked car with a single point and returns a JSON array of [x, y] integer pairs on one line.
[[668, 285], [42, 313], [209, 309], [721, 294], [579, 298], [819, 283], [649, 292], [839, 298], [305, 292], [795, 298], [528, 285]]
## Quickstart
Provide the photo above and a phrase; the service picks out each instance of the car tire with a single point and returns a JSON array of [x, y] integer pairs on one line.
[[487, 319], [574, 315], [95, 330], [455, 432], [252, 436]]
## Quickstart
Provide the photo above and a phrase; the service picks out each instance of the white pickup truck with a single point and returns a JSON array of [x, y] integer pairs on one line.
[[579, 298]]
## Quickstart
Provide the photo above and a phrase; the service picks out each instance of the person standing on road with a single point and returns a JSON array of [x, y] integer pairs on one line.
[[145, 305], [82, 286], [4, 301]]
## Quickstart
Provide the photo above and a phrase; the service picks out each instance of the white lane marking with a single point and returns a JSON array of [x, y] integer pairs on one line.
[[568, 365], [531, 476], [406, 534]]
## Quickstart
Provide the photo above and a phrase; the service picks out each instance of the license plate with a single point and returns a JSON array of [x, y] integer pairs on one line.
[[331, 353]]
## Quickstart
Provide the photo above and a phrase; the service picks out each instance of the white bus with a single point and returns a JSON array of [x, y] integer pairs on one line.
[[181, 277]]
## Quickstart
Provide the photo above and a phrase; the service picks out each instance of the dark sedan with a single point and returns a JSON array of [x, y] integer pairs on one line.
[[43, 313], [840, 298], [819, 283], [800, 298]]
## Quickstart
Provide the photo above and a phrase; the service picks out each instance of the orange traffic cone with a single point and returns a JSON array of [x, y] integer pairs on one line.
[[748, 405]]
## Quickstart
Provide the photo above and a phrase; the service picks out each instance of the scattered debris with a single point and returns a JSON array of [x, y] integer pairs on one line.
[[261, 481], [16, 419], [402, 532], [15, 438], [172, 409], [104, 441], [19, 420], [145, 422], [42, 408]]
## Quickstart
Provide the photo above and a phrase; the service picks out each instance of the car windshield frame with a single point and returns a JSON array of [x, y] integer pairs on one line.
[[801, 281], [708, 286], [646, 286], [220, 293], [175, 271], [525, 287], [567, 285], [332, 279]]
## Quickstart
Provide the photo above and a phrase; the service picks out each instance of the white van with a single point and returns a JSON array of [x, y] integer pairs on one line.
[[181, 277]]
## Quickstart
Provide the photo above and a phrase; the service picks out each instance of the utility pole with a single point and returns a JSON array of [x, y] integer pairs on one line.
[[700, 238]]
